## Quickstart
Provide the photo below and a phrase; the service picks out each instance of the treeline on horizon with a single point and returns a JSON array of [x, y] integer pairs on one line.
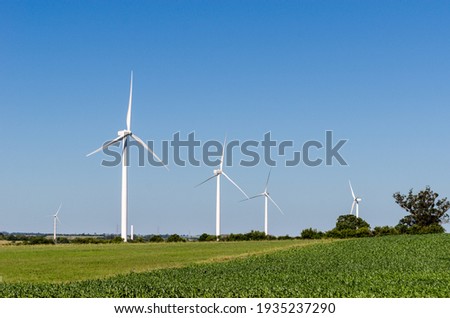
[[347, 226], [426, 214]]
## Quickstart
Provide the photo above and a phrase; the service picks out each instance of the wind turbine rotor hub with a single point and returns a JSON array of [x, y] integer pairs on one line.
[[123, 133]]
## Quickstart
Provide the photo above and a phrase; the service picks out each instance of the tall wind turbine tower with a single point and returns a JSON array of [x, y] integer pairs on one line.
[[217, 174], [123, 136]]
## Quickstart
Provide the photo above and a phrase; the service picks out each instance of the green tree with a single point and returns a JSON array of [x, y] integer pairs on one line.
[[203, 237], [256, 236], [156, 239], [117, 240], [175, 238], [311, 234], [424, 208], [350, 222]]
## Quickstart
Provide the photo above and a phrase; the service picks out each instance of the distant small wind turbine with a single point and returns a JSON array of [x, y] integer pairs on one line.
[[267, 197], [123, 136], [217, 173], [356, 201], [55, 220]]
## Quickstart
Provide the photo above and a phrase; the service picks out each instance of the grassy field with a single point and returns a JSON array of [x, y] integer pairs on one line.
[[68, 263], [394, 266]]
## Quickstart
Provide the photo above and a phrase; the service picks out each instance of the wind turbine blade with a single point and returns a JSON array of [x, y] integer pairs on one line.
[[57, 218], [107, 145], [268, 178], [59, 209], [143, 144], [223, 153], [205, 181], [253, 197], [234, 183], [129, 104], [351, 188], [353, 207], [275, 204]]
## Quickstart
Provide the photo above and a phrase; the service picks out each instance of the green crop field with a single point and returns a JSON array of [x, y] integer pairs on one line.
[[68, 263], [392, 266]]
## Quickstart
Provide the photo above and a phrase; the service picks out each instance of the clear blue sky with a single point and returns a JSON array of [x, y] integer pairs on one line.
[[374, 72]]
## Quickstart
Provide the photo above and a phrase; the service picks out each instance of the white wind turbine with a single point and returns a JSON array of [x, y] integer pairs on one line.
[[356, 201], [217, 173], [55, 220], [123, 136], [267, 197]]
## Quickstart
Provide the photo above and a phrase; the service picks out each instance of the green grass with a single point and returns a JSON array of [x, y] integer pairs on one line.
[[394, 266], [68, 263]]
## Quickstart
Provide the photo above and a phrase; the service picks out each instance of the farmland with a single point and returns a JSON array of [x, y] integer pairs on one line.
[[68, 263], [391, 266]]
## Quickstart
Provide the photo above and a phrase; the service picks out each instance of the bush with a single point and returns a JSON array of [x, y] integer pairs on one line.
[[175, 238], [402, 229], [251, 236], [256, 236], [285, 237], [62, 240], [137, 239], [235, 237], [333, 234], [363, 232], [94, 240], [430, 229], [156, 239], [211, 238], [346, 233], [385, 230], [35, 240], [348, 226], [311, 234], [117, 240]]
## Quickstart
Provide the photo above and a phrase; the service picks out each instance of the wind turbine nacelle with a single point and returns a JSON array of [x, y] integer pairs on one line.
[[358, 200], [123, 133], [217, 172]]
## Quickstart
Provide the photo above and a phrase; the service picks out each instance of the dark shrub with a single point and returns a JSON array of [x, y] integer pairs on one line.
[[175, 238], [117, 240], [256, 236], [156, 239], [311, 234], [363, 232], [385, 230], [285, 237]]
